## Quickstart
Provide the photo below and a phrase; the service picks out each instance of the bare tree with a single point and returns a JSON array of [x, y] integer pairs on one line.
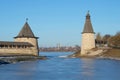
[[114, 41], [98, 37], [106, 37], [118, 33]]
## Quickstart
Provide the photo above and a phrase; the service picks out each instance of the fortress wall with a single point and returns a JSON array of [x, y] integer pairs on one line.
[[18, 51]]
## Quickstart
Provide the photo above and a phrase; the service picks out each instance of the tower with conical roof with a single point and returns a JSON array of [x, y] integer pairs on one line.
[[26, 35], [88, 40]]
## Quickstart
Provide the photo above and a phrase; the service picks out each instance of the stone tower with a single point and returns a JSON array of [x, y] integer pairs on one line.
[[88, 40], [26, 35]]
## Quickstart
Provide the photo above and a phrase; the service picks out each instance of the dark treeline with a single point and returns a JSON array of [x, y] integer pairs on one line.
[[108, 40]]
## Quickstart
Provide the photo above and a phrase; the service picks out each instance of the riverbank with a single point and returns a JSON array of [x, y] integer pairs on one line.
[[13, 58], [111, 54], [106, 53]]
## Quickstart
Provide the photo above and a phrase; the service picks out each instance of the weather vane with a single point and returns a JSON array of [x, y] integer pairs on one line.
[[26, 19], [88, 11]]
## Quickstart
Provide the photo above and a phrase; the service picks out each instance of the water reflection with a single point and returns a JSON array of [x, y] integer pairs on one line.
[[27, 70], [87, 67], [56, 68]]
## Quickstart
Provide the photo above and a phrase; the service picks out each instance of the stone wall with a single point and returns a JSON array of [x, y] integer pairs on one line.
[[88, 42], [18, 51]]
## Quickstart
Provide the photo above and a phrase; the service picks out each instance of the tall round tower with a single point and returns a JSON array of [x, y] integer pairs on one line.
[[88, 40], [26, 35]]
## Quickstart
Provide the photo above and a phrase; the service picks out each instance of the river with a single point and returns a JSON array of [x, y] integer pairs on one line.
[[57, 67]]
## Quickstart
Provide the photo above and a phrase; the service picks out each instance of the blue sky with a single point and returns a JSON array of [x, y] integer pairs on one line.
[[58, 21]]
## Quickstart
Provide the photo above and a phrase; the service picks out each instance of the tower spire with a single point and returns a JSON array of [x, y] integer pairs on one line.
[[88, 26], [26, 31]]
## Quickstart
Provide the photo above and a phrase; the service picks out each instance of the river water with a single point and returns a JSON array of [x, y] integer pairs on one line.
[[57, 67]]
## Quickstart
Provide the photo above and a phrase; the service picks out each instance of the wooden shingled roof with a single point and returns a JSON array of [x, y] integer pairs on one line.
[[88, 25], [15, 43], [26, 32]]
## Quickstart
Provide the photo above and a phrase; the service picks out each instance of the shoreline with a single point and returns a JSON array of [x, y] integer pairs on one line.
[[105, 54], [20, 58], [113, 54], [110, 58]]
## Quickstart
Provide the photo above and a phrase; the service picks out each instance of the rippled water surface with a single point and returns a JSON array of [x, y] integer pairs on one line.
[[61, 68]]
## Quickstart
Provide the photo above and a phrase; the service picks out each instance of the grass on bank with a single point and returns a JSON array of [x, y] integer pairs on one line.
[[115, 53]]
